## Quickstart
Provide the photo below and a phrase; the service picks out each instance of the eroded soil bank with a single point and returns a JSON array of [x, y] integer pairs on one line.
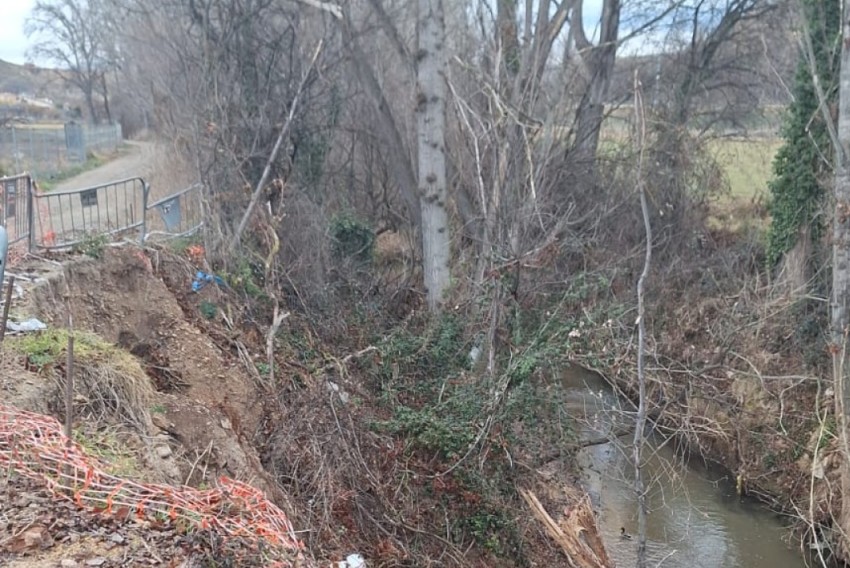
[[351, 470], [341, 440]]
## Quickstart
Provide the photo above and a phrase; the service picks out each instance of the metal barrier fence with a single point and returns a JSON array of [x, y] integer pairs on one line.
[[62, 219], [67, 217], [180, 214], [17, 208]]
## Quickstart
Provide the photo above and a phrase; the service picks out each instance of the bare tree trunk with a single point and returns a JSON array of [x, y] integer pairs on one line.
[[431, 135], [600, 65], [105, 93], [640, 425], [93, 116], [841, 275], [400, 163]]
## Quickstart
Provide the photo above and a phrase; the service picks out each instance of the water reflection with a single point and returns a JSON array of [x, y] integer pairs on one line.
[[696, 520]]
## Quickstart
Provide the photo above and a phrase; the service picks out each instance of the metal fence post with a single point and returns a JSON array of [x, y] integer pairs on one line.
[[15, 149], [144, 230], [30, 215]]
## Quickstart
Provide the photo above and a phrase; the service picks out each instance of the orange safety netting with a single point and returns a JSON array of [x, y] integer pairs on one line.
[[34, 446]]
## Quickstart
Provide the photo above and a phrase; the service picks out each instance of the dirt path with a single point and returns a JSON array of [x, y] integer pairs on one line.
[[138, 162], [66, 216]]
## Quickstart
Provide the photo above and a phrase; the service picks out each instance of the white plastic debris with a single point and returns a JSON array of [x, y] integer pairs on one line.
[[25, 326], [352, 561]]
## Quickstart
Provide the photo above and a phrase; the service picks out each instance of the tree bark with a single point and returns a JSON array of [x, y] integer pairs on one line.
[[841, 275], [400, 162], [89, 95], [431, 133], [105, 94], [600, 64]]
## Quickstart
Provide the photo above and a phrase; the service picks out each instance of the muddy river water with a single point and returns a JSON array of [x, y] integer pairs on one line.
[[695, 519]]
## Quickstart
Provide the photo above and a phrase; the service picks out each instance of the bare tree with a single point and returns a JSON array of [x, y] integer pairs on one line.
[[431, 136], [68, 36], [597, 64], [841, 274]]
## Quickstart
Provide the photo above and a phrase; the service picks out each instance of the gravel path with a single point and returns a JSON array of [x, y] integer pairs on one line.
[[65, 216], [139, 161]]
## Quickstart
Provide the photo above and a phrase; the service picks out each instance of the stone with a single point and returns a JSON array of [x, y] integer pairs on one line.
[[163, 452]]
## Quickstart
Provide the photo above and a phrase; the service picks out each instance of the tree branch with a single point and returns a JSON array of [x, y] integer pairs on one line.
[[258, 190]]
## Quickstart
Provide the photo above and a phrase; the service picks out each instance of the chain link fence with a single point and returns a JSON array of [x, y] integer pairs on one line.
[[45, 150]]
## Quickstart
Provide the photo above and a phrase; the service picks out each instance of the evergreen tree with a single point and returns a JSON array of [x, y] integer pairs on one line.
[[803, 166]]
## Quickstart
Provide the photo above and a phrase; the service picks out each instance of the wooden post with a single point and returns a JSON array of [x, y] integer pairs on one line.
[[69, 377], [69, 390]]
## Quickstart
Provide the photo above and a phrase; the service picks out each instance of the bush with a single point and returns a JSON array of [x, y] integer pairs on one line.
[[352, 238]]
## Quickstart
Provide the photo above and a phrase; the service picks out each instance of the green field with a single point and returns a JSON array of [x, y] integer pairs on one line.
[[748, 164]]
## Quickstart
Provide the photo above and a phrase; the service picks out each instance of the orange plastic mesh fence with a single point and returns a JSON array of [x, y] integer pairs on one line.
[[34, 446]]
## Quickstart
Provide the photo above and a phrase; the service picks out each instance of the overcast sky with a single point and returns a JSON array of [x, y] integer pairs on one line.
[[14, 43]]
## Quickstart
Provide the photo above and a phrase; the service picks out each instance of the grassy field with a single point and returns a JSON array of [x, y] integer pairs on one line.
[[748, 164]]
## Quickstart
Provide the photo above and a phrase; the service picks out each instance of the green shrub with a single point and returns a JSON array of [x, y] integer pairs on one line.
[[92, 245], [352, 238]]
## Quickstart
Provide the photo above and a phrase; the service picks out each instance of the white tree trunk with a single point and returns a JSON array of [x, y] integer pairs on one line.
[[841, 274], [431, 128]]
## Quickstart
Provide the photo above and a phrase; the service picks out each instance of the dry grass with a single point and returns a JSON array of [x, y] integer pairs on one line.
[[109, 383]]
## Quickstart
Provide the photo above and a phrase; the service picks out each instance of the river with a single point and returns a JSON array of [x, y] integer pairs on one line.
[[695, 518]]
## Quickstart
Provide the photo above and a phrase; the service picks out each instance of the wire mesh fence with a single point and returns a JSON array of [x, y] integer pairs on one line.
[[47, 149]]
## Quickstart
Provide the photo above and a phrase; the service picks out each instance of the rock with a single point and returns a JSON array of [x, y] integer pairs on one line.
[[97, 561], [163, 452], [161, 422], [116, 538], [68, 563], [35, 537]]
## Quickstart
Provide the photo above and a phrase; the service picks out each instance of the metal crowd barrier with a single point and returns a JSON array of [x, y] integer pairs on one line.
[[17, 208], [69, 217], [180, 214], [62, 219]]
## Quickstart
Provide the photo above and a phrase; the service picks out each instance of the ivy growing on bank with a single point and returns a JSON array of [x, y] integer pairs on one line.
[[802, 167]]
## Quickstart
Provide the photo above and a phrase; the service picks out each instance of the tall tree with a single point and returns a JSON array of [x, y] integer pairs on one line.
[[841, 272], [431, 144], [597, 63], [68, 36], [804, 163]]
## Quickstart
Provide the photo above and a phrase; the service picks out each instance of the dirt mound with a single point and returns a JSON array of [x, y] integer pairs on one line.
[[196, 420], [205, 396], [318, 425]]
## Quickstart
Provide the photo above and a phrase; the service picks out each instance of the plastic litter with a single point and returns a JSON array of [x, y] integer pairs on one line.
[[25, 326], [202, 279], [352, 561]]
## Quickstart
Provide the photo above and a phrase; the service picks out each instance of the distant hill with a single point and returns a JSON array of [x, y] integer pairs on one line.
[[33, 92], [35, 82]]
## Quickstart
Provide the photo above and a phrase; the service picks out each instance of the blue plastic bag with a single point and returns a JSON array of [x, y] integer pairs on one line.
[[202, 279]]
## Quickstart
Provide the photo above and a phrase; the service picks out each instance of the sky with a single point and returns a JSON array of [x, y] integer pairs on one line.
[[13, 41]]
